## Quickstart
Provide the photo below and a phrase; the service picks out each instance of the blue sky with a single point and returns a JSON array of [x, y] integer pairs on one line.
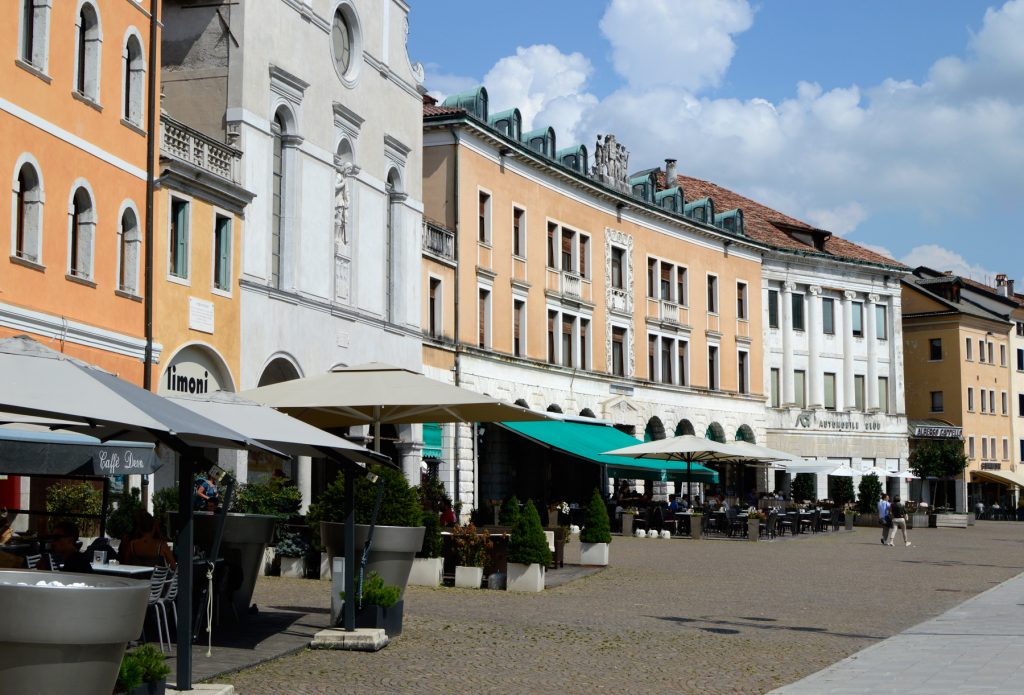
[[899, 123]]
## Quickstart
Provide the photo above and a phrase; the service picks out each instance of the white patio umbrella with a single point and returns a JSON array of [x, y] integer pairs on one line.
[[686, 447], [757, 455], [874, 470], [842, 472]]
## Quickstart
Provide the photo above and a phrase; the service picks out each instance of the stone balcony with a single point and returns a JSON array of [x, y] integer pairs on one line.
[[183, 143]]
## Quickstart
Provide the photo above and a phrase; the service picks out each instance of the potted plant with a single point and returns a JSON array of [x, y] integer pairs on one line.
[[628, 514], [528, 552], [596, 533], [381, 606], [754, 519], [428, 565], [121, 516], [509, 512], [143, 672], [869, 491], [398, 534], [471, 549], [849, 514], [292, 549]]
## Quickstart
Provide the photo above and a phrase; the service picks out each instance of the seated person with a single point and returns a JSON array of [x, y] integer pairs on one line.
[[206, 497], [64, 550], [684, 504], [146, 545], [673, 504]]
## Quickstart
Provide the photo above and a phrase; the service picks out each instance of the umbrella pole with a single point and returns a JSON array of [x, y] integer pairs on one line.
[[348, 614], [186, 471]]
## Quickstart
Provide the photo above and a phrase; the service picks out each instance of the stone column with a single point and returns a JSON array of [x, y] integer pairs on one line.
[[411, 454], [815, 379], [304, 480], [786, 318], [871, 336], [849, 399]]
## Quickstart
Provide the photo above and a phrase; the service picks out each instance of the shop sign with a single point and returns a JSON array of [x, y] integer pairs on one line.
[[836, 422], [938, 432], [191, 372]]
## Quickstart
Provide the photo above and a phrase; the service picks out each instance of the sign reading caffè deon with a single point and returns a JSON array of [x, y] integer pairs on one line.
[[834, 421]]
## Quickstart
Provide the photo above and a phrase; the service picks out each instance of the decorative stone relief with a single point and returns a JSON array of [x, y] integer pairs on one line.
[[616, 299], [342, 204], [611, 163], [630, 362], [342, 278]]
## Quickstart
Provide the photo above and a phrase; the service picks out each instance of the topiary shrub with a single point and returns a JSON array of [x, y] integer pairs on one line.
[[870, 491], [509, 511], [804, 488], [121, 515], [596, 524], [842, 491], [273, 498], [376, 593], [65, 500], [528, 544], [433, 543]]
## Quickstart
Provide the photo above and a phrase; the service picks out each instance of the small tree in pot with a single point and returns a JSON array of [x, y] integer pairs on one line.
[[528, 552], [428, 565], [381, 606], [803, 488], [596, 533], [143, 672], [471, 549], [869, 492]]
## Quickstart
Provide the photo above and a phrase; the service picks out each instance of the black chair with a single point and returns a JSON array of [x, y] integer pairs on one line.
[[767, 527], [733, 523], [790, 521], [810, 521]]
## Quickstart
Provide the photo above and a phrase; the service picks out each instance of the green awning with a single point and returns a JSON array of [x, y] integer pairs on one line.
[[431, 440], [588, 441]]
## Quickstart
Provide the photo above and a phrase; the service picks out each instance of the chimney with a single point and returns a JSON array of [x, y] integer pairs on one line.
[[670, 174], [1004, 286]]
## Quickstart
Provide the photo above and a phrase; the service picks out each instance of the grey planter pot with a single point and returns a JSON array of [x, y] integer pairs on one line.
[[64, 640], [155, 688], [245, 538], [391, 554], [388, 619]]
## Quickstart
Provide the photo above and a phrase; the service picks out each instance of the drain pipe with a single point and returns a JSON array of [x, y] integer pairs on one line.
[[458, 339], [152, 142]]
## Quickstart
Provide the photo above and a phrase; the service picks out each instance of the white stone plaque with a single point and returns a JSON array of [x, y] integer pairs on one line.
[[200, 315]]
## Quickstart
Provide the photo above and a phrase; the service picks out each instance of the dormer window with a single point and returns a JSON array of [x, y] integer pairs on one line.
[[541, 141], [474, 101], [644, 186], [731, 221], [671, 199], [574, 158], [509, 123], [702, 210]]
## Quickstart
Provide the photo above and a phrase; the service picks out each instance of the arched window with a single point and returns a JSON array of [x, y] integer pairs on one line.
[[128, 242], [745, 434], [80, 235], [278, 131], [87, 53], [684, 426], [35, 22], [28, 213], [654, 430], [134, 80], [715, 433]]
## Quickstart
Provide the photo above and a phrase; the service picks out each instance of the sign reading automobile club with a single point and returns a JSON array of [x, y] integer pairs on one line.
[[836, 422]]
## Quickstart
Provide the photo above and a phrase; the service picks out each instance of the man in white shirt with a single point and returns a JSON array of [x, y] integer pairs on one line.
[[883, 517]]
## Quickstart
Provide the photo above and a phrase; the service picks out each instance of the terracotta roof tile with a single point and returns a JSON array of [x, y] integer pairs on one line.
[[435, 110]]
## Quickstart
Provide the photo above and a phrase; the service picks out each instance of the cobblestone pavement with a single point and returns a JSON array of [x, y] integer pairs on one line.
[[666, 616]]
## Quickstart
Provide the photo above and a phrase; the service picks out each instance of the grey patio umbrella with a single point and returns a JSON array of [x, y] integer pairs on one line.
[[43, 383]]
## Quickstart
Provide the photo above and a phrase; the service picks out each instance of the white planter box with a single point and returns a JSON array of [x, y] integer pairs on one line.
[[593, 553], [294, 567], [468, 577], [268, 561], [426, 571], [528, 578], [325, 566]]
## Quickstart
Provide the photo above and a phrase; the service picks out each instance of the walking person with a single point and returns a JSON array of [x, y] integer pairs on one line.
[[898, 519], [884, 517]]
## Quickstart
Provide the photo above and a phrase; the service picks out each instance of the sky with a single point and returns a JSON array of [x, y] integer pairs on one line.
[[898, 124]]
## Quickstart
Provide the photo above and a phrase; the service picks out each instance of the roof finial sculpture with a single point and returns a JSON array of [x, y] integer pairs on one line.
[[611, 163]]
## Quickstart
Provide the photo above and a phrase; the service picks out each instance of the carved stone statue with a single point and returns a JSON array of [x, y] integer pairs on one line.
[[341, 205], [611, 162]]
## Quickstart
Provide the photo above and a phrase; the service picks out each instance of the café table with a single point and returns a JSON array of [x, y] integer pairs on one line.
[[129, 571]]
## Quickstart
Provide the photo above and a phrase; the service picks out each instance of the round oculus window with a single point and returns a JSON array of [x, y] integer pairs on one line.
[[341, 40]]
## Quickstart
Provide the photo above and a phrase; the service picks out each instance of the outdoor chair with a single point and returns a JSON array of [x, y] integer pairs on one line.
[[767, 527], [810, 521], [32, 560], [733, 523], [156, 593], [790, 521], [167, 599]]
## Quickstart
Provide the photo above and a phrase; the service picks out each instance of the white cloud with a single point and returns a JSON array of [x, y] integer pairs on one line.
[[942, 259], [681, 43], [840, 219], [879, 250], [440, 85]]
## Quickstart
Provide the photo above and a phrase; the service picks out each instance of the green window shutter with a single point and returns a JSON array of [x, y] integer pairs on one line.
[[223, 250]]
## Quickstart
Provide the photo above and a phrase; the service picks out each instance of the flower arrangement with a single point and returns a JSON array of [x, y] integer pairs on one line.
[[755, 514]]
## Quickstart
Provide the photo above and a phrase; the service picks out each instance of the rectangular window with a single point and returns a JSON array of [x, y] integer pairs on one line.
[[584, 343], [741, 302], [1006, 448], [667, 350], [584, 256], [991, 353], [567, 328], [936, 401], [682, 296], [881, 327], [828, 316], [652, 357], [712, 294], [484, 318], [773, 387], [665, 283], [434, 308], [617, 257], [222, 253], [970, 447], [992, 447], [798, 311], [518, 232], [830, 391], [857, 320], [981, 351], [1005, 403], [858, 392], [1020, 405], [773, 308], [983, 403], [178, 266], [984, 448], [518, 327], [1021, 444], [484, 212], [652, 278], [618, 351], [552, 339], [883, 394], [552, 240], [992, 402], [800, 388], [1002, 355], [713, 367], [568, 236], [1020, 359], [684, 362], [742, 375], [935, 349], [970, 399], [970, 351]]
